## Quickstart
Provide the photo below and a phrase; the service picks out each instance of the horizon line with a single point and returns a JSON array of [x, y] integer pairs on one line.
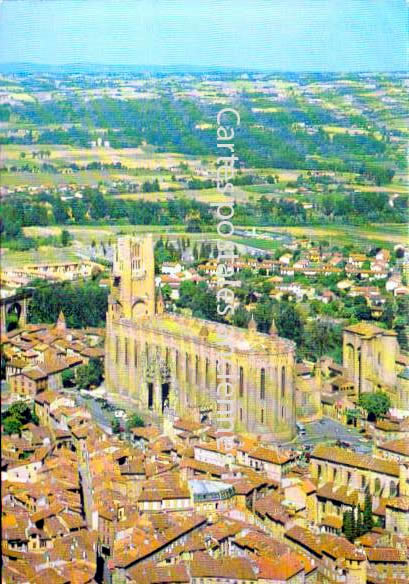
[[181, 67]]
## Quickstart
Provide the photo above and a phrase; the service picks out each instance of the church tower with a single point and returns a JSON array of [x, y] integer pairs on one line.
[[133, 279], [61, 326]]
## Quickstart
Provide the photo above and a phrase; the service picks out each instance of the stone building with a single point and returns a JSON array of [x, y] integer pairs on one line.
[[370, 356], [178, 365]]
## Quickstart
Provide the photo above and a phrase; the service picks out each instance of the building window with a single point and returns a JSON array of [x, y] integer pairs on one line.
[[262, 384], [241, 382], [146, 351], [262, 416], [282, 381], [282, 411], [187, 367], [116, 349], [135, 354], [241, 414], [167, 356], [197, 369], [207, 373], [126, 351]]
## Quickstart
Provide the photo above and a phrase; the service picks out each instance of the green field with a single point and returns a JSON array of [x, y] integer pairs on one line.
[[84, 234], [42, 255], [384, 235], [267, 244]]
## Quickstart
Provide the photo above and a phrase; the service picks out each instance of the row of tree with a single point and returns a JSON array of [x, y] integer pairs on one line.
[[357, 521]]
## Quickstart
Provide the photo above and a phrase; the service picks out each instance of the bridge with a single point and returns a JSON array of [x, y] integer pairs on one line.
[[16, 304]]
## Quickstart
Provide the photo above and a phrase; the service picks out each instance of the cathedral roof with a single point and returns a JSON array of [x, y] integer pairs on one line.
[[218, 335]]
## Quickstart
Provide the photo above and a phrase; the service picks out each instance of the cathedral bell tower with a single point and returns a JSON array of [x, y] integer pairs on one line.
[[133, 278]]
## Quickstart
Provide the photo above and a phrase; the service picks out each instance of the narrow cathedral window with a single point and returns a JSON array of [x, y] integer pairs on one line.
[[126, 351], [135, 354], [263, 384], [241, 382], [282, 381]]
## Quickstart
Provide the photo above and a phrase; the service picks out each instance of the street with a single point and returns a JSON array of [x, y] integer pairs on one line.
[[327, 430]]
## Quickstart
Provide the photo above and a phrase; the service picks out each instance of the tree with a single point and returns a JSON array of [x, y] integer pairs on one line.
[[90, 374], [348, 525], [322, 336], [289, 323], [360, 528], [83, 304], [367, 513], [166, 292], [375, 404], [241, 317], [65, 238], [134, 421], [82, 377], [116, 426], [12, 426], [263, 314], [361, 309], [68, 377], [18, 414], [389, 312], [21, 411]]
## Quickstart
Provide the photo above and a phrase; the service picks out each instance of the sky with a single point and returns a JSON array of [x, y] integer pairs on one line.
[[277, 35]]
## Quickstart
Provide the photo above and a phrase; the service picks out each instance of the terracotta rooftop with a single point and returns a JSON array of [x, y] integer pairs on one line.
[[205, 566], [339, 493], [340, 548], [401, 503], [332, 521], [281, 569], [269, 455], [151, 574], [385, 555], [396, 446], [349, 458], [47, 397]]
